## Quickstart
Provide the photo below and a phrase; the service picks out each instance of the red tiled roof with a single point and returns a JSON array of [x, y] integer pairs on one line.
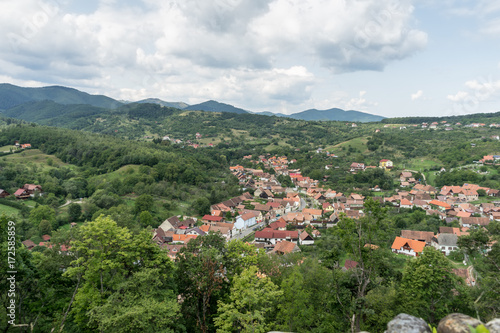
[[212, 218]]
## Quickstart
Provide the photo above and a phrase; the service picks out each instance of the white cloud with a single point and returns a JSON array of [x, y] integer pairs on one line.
[[417, 95], [232, 50], [483, 91], [458, 97]]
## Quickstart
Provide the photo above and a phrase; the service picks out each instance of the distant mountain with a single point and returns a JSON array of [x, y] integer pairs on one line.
[[214, 106], [336, 114], [330, 114], [268, 113], [53, 114], [11, 96], [177, 105]]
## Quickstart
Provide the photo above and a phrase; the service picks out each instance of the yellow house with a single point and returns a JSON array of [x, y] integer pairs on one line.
[[385, 164]]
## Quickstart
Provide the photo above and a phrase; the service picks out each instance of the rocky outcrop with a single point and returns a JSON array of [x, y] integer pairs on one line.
[[457, 323], [408, 324], [452, 323]]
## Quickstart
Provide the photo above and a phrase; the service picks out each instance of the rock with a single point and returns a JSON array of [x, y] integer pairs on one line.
[[457, 323], [493, 325], [408, 324]]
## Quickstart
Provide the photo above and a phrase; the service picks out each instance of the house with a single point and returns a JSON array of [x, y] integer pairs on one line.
[[245, 221], [285, 247], [357, 167], [385, 164], [270, 236], [305, 239], [4, 193], [327, 207], [405, 203], [349, 264], [440, 205], [445, 243], [278, 225], [26, 146], [226, 232], [478, 221], [422, 236], [21, 194], [32, 188], [29, 244], [173, 250], [405, 174], [210, 219], [315, 213], [407, 246]]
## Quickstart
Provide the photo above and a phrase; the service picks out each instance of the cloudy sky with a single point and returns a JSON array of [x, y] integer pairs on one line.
[[386, 57]]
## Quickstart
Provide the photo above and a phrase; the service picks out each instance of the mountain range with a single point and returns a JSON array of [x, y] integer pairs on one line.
[[15, 100]]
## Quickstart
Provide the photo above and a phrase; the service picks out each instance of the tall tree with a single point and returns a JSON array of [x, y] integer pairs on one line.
[[202, 280], [429, 287], [252, 302]]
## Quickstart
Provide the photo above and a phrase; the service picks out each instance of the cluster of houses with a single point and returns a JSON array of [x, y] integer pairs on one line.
[[45, 243], [383, 164], [188, 142], [406, 179], [490, 159], [25, 192], [22, 145]]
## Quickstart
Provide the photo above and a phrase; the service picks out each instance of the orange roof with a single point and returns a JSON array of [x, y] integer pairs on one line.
[[415, 245], [204, 227], [463, 214], [406, 202], [440, 204]]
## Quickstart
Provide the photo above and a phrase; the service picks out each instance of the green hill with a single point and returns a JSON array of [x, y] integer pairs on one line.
[[11, 96], [214, 106]]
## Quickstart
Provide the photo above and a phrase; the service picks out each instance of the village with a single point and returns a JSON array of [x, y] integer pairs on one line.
[[285, 218]]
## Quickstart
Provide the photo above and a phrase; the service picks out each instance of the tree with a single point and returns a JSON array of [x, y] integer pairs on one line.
[[144, 203], [429, 287], [307, 303], [475, 241], [201, 206], [107, 256], [75, 212], [146, 218], [143, 303], [241, 255], [488, 267], [252, 301], [42, 212], [202, 280], [45, 228]]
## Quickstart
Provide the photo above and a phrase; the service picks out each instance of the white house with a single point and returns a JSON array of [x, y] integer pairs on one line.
[[305, 239], [407, 246], [245, 221], [445, 243]]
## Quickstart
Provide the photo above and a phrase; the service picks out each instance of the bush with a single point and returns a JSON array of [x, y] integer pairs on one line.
[[456, 256]]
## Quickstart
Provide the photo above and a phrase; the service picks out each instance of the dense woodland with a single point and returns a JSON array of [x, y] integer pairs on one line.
[[114, 279]]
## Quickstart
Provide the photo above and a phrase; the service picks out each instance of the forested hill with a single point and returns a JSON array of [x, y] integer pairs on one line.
[[336, 114], [11, 96], [463, 119]]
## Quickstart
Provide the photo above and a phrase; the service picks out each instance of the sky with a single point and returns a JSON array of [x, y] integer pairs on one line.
[[386, 57]]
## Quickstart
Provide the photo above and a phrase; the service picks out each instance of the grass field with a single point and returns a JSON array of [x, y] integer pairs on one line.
[[420, 164], [37, 157], [357, 143], [7, 148], [7, 210]]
